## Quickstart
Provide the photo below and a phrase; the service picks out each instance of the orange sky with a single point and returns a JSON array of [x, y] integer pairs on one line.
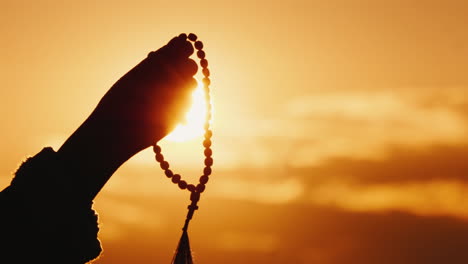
[[340, 126]]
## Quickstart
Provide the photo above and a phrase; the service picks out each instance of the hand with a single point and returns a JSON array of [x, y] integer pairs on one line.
[[51, 193], [147, 102], [140, 109]]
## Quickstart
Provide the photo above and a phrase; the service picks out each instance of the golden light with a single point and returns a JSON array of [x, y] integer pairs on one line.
[[195, 118]]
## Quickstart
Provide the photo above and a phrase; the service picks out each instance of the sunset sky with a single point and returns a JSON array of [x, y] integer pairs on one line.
[[340, 127]]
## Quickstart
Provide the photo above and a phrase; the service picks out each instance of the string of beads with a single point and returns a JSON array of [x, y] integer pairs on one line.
[[195, 190]]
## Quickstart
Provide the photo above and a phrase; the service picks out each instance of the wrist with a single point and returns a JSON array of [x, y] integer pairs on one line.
[[93, 153]]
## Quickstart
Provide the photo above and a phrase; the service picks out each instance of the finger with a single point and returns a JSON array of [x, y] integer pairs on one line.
[[180, 48], [177, 50], [171, 42], [189, 68], [192, 84], [183, 96], [164, 49], [184, 102], [185, 48], [181, 73]]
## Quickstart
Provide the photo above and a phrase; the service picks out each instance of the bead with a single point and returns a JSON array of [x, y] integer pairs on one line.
[[168, 173], [209, 161], [207, 171], [192, 207], [208, 152], [195, 196], [192, 37], [199, 45], [201, 54], [206, 81], [159, 157], [195, 190], [205, 71], [191, 187], [164, 165], [207, 143], [156, 148], [182, 184], [204, 179], [208, 134], [204, 63], [176, 178], [200, 188]]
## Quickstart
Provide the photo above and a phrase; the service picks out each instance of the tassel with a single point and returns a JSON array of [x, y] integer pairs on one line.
[[183, 254]]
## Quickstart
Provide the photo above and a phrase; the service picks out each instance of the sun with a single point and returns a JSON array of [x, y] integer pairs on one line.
[[195, 118]]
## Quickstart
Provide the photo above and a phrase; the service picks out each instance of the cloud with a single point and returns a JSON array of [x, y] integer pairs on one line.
[[401, 165], [262, 191], [364, 124], [429, 198], [429, 180], [360, 124], [229, 231], [425, 181], [247, 241]]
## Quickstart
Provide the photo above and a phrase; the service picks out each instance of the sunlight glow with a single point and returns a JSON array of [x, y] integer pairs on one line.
[[195, 118]]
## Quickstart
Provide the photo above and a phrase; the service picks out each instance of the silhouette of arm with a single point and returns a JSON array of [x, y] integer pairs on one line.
[[140, 109], [46, 210]]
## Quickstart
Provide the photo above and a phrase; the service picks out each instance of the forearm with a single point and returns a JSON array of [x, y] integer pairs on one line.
[[93, 153], [52, 192]]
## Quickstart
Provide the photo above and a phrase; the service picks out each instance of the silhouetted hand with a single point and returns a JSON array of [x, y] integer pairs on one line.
[[46, 210], [140, 109], [149, 100]]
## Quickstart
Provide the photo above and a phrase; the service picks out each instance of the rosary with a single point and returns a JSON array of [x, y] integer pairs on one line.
[[183, 253]]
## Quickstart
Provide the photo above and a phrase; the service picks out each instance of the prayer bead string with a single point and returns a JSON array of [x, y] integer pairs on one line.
[[195, 190]]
